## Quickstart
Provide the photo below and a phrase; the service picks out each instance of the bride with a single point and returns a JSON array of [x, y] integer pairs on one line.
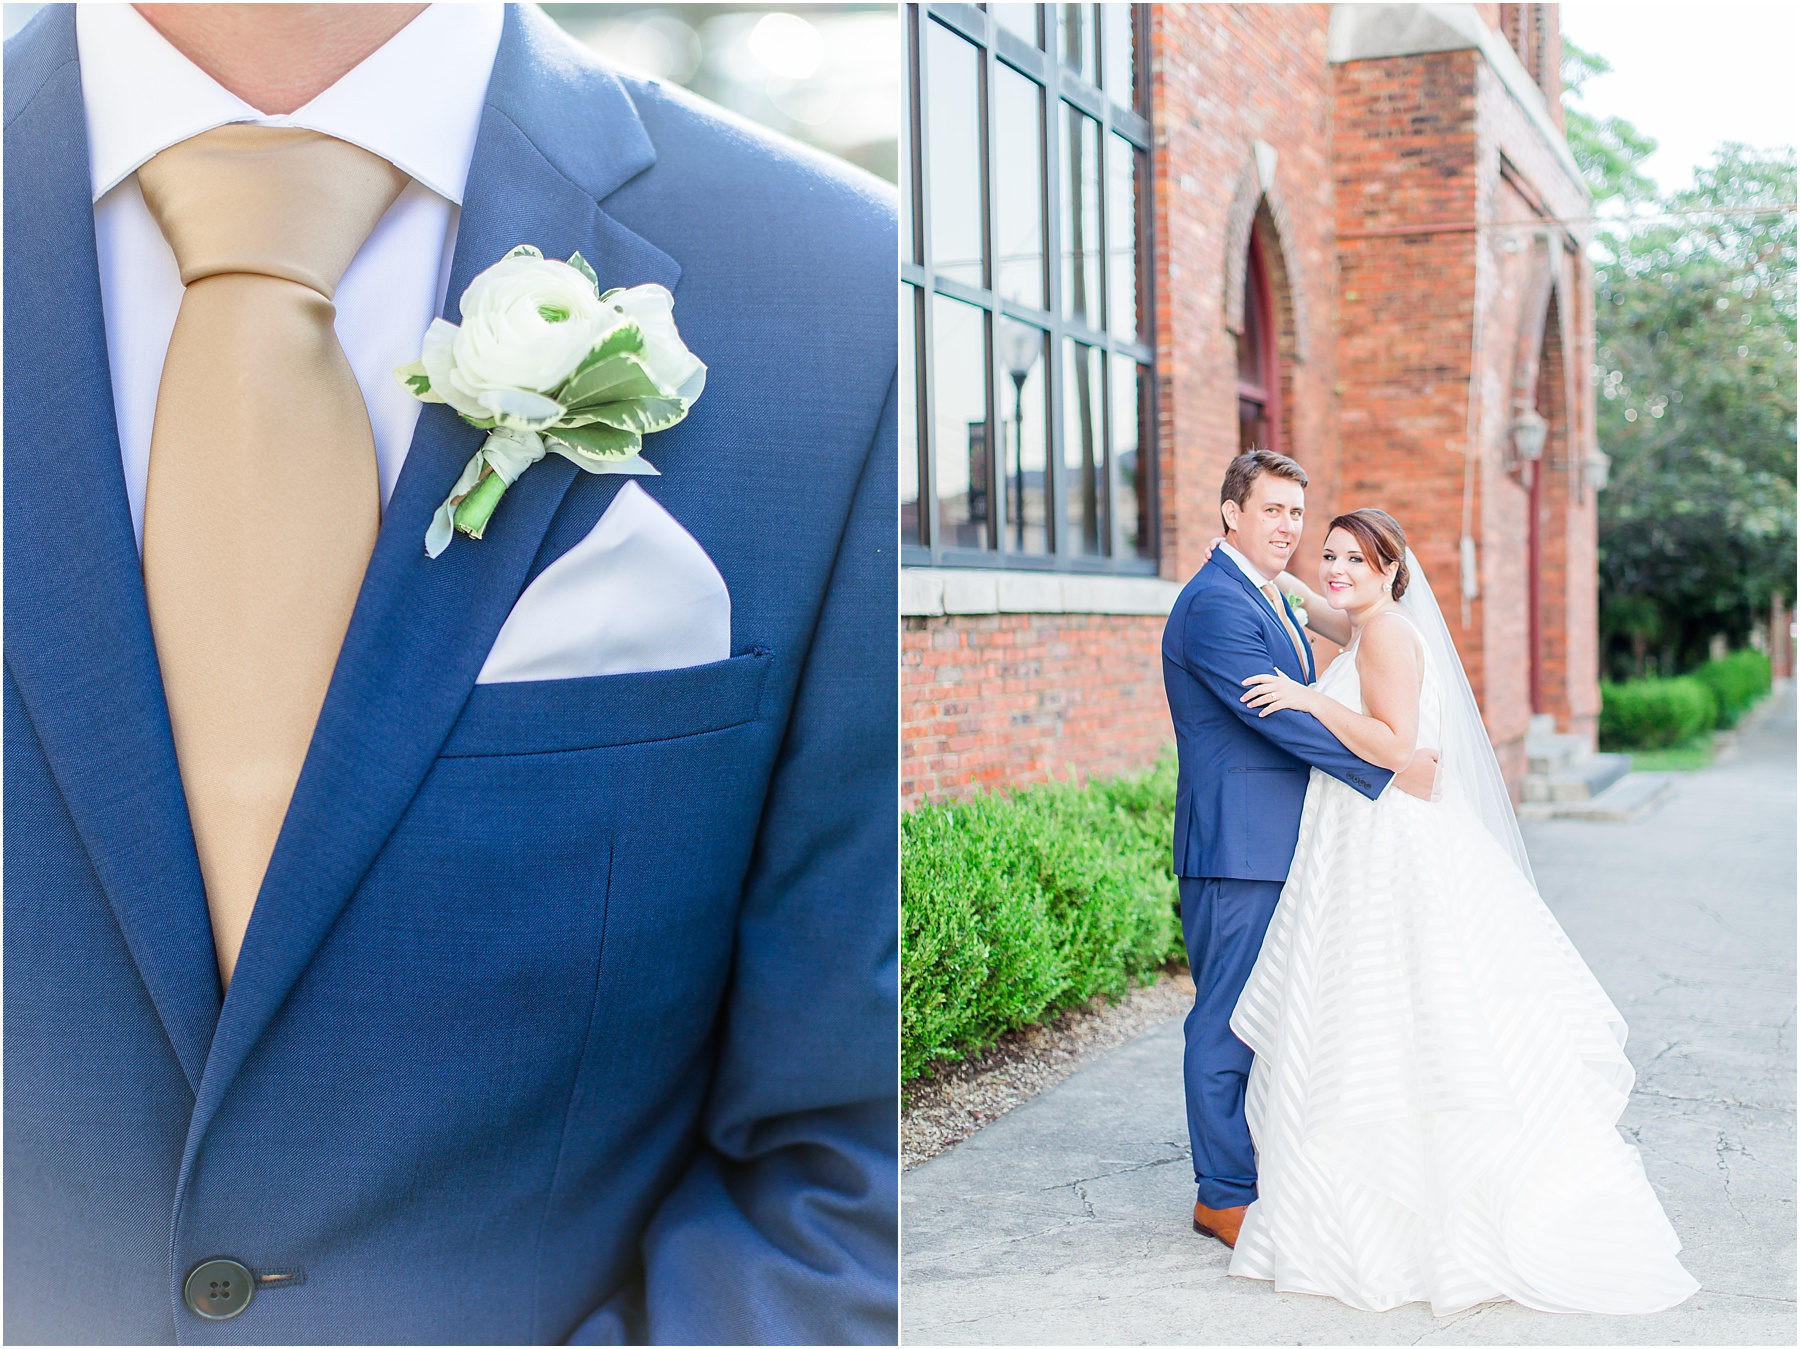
[[1437, 1073]]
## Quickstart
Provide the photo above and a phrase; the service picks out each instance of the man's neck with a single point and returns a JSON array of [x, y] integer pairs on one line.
[[278, 58], [1249, 568]]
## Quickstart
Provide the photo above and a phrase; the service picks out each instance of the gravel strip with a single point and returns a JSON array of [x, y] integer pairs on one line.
[[944, 1109]]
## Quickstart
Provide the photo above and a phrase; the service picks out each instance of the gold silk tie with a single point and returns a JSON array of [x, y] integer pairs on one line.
[[1287, 624], [263, 499]]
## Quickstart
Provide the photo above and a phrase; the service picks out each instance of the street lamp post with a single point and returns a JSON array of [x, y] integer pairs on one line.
[[1023, 348]]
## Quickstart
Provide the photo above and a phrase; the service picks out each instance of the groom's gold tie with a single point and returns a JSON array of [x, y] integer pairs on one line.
[[1287, 624], [263, 501]]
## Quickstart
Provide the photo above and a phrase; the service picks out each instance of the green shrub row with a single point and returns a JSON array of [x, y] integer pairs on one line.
[[1654, 713], [1736, 681], [1015, 905]]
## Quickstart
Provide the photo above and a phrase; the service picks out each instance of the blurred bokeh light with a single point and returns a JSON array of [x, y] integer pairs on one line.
[[825, 74]]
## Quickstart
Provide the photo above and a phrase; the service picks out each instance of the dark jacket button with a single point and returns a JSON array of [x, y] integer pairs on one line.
[[219, 1289]]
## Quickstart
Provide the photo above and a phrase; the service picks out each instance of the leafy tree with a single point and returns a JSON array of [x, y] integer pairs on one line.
[[1609, 150], [1695, 370]]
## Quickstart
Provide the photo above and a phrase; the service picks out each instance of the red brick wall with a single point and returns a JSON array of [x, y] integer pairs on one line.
[[1223, 76], [1003, 699], [1431, 315], [1406, 158]]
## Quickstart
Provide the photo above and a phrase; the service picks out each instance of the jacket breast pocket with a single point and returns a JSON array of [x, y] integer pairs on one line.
[[551, 716]]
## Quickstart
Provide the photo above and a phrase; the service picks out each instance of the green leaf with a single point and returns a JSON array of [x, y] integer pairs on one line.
[[413, 376], [642, 415], [626, 338], [524, 251], [602, 442], [612, 380], [580, 264]]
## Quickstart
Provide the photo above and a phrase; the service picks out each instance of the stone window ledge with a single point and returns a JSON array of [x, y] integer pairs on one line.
[[932, 592]]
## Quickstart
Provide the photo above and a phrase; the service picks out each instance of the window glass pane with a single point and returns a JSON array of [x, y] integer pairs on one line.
[[959, 390], [1024, 439], [953, 145], [1084, 451], [1121, 236], [1075, 25], [1253, 425], [1021, 19], [1081, 218], [909, 416], [1118, 46], [1131, 504], [1018, 196], [909, 245]]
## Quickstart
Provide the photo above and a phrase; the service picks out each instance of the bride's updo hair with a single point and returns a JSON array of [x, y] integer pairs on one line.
[[1383, 541]]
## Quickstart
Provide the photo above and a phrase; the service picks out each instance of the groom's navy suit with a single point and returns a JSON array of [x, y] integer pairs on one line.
[[567, 1008], [1241, 786]]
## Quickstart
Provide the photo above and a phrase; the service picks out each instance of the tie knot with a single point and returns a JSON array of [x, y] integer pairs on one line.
[[274, 201]]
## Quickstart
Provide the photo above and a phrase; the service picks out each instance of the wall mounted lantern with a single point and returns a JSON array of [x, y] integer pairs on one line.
[[1596, 468], [1529, 431]]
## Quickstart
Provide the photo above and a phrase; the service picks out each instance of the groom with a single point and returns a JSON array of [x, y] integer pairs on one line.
[[554, 1009], [1241, 785]]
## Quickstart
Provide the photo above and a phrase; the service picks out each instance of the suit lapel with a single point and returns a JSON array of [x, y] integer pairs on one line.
[[78, 627], [1312, 673], [1282, 648], [422, 626]]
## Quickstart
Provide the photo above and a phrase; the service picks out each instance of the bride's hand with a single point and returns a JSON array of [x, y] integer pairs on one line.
[[1276, 692], [1206, 553]]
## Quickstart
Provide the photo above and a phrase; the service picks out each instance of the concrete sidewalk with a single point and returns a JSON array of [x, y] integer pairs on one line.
[[1066, 1221]]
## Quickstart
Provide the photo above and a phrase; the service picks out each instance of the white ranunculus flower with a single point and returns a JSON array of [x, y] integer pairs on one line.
[[527, 322], [676, 369]]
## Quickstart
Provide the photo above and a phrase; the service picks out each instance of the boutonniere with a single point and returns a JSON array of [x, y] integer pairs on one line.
[[547, 364], [1298, 605]]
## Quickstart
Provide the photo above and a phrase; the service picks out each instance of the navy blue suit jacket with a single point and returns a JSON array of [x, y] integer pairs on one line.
[[567, 1009], [1242, 778]]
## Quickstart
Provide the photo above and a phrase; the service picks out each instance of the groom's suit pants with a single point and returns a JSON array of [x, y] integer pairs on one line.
[[1223, 921]]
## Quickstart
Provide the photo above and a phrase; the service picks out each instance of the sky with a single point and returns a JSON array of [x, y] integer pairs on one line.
[[1692, 75]]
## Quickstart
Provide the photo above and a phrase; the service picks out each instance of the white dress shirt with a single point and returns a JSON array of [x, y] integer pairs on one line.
[[416, 102]]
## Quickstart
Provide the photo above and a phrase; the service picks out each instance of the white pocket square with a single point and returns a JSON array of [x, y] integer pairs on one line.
[[638, 593]]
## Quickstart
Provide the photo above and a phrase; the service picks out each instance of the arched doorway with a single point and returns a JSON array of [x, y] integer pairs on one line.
[[1258, 357]]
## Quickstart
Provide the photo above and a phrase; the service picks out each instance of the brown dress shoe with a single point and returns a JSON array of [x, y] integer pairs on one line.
[[1222, 1223]]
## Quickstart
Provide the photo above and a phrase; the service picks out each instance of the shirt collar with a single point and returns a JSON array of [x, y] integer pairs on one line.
[[1242, 563], [416, 101]]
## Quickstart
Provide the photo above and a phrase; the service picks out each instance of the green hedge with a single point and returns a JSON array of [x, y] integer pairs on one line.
[[1653, 713], [1736, 681], [1016, 905]]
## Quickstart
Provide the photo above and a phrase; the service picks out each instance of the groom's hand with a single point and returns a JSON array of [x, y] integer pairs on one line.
[[1419, 776]]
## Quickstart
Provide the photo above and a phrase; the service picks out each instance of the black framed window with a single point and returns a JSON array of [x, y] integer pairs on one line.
[[1026, 335]]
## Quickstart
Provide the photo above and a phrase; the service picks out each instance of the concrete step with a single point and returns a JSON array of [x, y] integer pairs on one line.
[[1580, 781], [1546, 755], [1629, 798]]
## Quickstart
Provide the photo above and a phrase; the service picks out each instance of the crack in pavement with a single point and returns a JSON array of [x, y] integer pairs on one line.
[[1723, 1144], [1774, 1107]]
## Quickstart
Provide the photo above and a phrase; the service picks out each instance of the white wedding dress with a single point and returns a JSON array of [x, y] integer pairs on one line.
[[1437, 1073]]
